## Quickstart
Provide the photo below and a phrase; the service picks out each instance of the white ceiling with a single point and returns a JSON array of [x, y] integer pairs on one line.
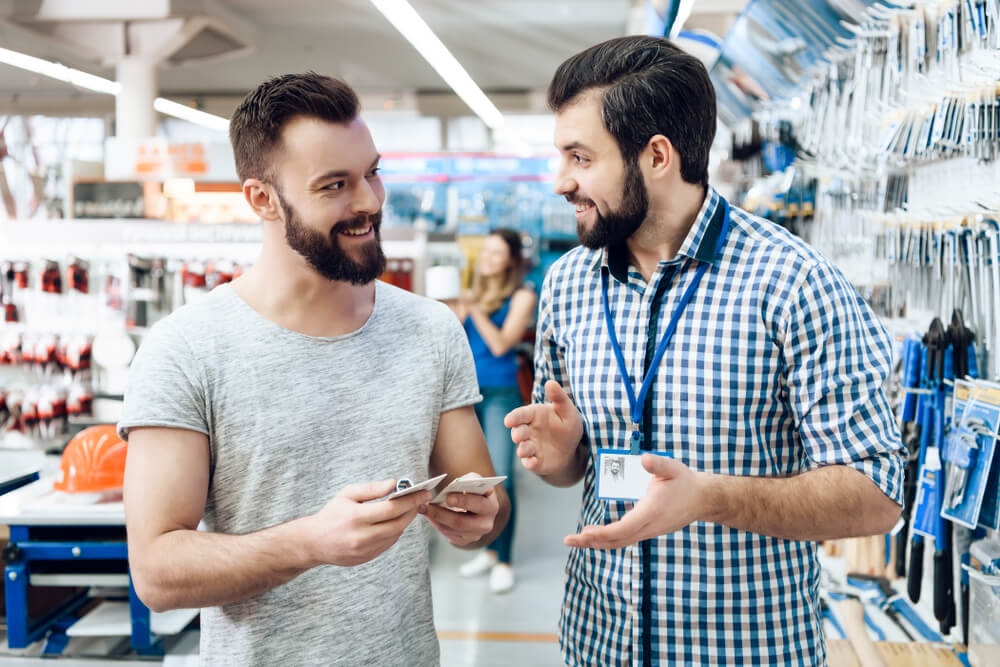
[[505, 45], [509, 47]]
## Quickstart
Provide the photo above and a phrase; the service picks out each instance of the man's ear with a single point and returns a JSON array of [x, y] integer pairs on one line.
[[659, 157], [263, 199]]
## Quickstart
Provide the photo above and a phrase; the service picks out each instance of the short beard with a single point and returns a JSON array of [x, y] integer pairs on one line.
[[617, 226], [326, 256]]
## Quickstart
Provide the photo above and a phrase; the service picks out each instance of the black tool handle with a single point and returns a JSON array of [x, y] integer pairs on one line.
[[965, 614], [901, 542], [915, 572], [941, 586]]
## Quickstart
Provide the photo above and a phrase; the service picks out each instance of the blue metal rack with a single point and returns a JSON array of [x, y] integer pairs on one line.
[[26, 550]]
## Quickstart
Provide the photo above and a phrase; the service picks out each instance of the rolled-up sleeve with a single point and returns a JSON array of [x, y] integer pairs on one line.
[[837, 358]]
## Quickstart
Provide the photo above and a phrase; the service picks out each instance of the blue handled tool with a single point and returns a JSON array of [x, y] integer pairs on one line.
[[912, 365]]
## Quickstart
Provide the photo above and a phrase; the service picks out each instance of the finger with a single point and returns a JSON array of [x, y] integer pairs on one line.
[[527, 449], [387, 510], [368, 490], [662, 466], [395, 507], [592, 537], [586, 541], [558, 397], [392, 529], [627, 530], [460, 522], [471, 502], [523, 415], [447, 531], [529, 462], [520, 434]]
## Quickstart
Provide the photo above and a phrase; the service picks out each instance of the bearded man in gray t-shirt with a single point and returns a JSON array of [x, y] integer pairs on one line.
[[267, 408]]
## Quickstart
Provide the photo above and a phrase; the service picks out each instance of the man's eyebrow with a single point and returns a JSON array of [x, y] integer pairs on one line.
[[573, 145], [340, 173]]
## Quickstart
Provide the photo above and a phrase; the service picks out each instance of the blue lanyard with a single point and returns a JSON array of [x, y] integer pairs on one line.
[[637, 403]]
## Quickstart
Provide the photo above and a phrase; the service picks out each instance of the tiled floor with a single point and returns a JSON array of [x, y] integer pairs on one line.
[[477, 628]]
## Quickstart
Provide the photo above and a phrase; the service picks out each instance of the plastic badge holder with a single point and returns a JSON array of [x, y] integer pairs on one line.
[[984, 619]]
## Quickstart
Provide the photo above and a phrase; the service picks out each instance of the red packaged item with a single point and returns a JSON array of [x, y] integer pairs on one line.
[[79, 276]]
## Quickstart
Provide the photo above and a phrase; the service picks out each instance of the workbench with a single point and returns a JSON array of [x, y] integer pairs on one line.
[[59, 539]]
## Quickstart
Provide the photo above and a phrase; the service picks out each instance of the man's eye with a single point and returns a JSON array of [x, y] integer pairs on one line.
[[334, 186], [374, 172]]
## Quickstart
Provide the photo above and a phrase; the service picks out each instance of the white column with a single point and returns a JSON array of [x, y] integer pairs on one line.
[[134, 114]]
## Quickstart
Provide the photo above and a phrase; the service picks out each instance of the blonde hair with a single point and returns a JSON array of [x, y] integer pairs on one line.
[[489, 292]]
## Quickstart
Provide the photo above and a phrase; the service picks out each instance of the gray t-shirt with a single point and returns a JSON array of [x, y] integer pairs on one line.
[[292, 420]]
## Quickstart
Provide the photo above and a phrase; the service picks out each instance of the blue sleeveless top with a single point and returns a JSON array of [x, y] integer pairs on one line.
[[490, 370]]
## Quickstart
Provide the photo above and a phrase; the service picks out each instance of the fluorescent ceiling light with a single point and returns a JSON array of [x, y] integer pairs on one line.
[[99, 84], [406, 20], [191, 114], [60, 72]]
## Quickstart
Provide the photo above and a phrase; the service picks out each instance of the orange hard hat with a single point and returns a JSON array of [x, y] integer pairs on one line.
[[93, 461]]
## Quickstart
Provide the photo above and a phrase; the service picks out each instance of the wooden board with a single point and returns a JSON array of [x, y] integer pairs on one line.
[[896, 654]]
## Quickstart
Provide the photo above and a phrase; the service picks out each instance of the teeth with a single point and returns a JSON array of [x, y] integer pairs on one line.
[[357, 232], [580, 208]]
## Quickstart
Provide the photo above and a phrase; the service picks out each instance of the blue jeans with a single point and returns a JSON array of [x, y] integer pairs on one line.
[[496, 403]]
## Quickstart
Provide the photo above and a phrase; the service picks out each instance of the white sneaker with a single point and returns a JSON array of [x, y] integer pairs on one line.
[[481, 564], [502, 578]]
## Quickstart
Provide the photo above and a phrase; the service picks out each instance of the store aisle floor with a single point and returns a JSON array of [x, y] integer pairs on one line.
[[476, 627], [480, 629]]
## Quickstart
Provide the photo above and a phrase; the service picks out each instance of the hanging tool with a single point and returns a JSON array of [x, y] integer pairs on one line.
[[938, 340], [880, 592], [993, 260], [915, 570], [911, 438], [935, 342]]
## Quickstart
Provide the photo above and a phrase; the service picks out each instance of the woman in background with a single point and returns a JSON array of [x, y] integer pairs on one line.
[[496, 314]]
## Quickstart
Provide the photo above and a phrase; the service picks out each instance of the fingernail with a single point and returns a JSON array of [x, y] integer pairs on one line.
[[452, 500]]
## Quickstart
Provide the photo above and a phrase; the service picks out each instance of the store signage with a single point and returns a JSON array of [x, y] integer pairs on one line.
[[157, 159]]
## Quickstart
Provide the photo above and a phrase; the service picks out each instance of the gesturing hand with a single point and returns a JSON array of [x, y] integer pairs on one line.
[[674, 499], [546, 434]]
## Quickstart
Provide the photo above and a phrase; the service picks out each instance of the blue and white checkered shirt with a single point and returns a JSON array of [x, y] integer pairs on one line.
[[776, 368]]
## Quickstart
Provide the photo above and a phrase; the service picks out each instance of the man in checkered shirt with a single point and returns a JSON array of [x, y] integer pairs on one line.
[[768, 402]]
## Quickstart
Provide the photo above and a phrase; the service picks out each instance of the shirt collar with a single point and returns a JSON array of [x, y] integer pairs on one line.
[[699, 244]]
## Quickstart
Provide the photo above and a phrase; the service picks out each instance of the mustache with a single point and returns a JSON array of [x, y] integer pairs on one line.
[[573, 199], [351, 223]]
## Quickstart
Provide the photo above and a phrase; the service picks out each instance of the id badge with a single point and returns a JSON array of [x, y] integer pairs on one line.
[[620, 475]]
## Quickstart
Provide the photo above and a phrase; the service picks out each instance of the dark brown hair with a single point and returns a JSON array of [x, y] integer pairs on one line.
[[256, 125], [650, 87]]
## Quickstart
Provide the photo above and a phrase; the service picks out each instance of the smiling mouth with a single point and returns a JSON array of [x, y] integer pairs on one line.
[[582, 211], [357, 231]]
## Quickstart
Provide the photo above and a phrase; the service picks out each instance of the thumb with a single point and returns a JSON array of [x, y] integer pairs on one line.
[[557, 395], [368, 490], [661, 466]]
